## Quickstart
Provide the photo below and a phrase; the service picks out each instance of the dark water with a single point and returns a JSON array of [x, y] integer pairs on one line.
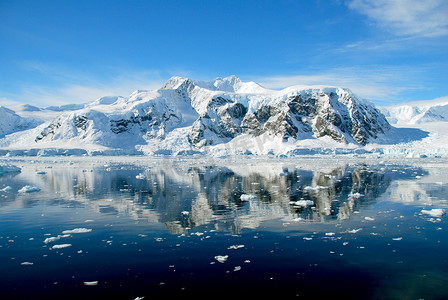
[[310, 229]]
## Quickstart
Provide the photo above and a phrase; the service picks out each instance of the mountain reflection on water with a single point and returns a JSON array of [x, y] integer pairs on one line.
[[184, 196]]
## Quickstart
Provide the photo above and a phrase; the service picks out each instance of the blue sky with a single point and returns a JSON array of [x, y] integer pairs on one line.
[[59, 52]]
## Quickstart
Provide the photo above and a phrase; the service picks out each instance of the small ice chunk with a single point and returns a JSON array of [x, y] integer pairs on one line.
[[237, 268], [435, 212], [77, 230], [315, 188], [235, 247], [7, 168], [140, 176], [356, 195], [52, 239], [302, 203], [221, 258], [29, 189], [90, 283], [369, 219], [397, 239], [330, 233], [247, 197], [354, 230], [60, 246], [27, 263], [7, 189]]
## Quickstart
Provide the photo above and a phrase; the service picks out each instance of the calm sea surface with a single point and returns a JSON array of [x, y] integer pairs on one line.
[[129, 227]]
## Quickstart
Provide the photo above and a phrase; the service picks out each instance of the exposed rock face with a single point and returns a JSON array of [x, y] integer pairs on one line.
[[329, 112], [217, 112]]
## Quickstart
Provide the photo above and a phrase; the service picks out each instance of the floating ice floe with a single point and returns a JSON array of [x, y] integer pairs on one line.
[[302, 203], [27, 263], [397, 239], [52, 239], [356, 195], [354, 230], [221, 258], [77, 230], [7, 168], [140, 176], [61, 246], [90, 283], [236, 247], [247, 197], [7, 189], [55, 238], [315, 188], [435, 212], [369, 219], [29, 189]]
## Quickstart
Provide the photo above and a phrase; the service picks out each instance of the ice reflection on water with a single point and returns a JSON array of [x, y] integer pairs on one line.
[[185, 196], [316, 200]]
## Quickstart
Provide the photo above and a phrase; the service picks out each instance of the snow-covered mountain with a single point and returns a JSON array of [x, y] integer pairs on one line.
[[417, 112], [11, 122], [192, 115]]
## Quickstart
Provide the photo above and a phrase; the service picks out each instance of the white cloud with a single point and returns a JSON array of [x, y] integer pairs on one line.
[[419, 18]]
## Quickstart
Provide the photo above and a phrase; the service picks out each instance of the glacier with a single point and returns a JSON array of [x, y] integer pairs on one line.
[[222, 117]]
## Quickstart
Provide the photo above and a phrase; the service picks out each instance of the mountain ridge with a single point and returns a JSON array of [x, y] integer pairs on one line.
[[193, 116]]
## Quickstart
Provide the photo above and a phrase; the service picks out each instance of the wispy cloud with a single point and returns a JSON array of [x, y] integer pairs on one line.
[[381, 84], [63, 85], [418, 18]]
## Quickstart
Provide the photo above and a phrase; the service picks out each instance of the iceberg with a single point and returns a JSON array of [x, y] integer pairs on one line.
[[77, 230], [29, 189], [435, 212]]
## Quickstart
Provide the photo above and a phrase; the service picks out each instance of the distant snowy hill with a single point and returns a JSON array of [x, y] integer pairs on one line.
[[417, 112], [221, 117], [413, 119], [11, 122]]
